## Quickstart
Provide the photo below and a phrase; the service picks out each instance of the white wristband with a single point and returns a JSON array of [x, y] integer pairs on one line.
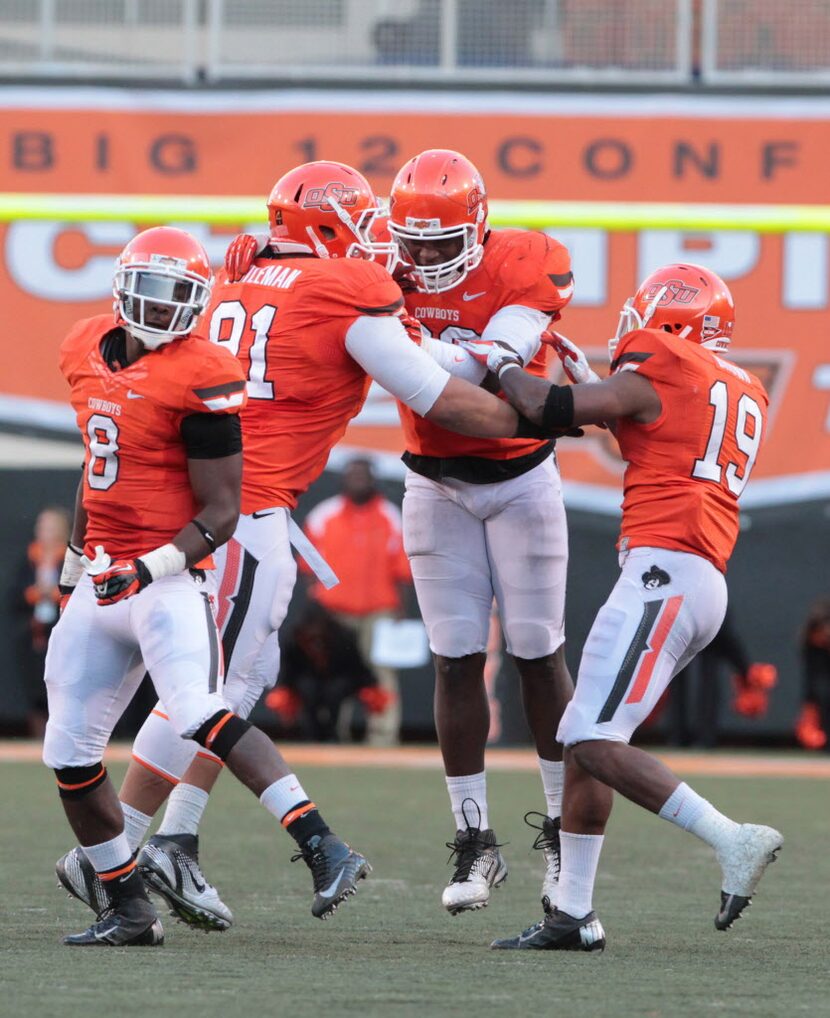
[[73, 568], [506, 367], [164, 561]]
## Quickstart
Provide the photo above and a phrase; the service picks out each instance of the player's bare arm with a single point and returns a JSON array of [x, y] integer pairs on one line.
[[469, 410], [216, 484], [563, 406]]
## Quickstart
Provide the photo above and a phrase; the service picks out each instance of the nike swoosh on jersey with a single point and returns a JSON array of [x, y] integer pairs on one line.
[[260, 516], [133, 395], [472, 296]]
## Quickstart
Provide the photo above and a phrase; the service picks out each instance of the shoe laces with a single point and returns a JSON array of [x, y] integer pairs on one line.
[[467, 849], [317, 860], [547, 840], [548, 837]]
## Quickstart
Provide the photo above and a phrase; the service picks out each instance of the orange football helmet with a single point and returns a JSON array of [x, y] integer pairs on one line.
[[439, 195], [162, 284], [328, 207], [687, 300]]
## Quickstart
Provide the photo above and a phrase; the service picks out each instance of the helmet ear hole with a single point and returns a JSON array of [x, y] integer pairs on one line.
[[328, 233]]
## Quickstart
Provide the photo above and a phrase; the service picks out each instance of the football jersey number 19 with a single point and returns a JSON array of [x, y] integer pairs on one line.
[[708, 468], [233, 311]]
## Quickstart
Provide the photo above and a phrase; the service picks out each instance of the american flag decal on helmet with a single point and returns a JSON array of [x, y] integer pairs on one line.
[[222, 397]]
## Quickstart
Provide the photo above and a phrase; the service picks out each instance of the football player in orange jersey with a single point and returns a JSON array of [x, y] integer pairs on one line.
[[689, 424], [158, 410], [311, 321], [483, 518]]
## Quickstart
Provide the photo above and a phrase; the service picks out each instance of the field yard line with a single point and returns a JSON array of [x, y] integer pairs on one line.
[[743, 765]]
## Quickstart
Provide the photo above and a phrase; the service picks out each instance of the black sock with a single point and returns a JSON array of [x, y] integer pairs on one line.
[[305, 826], [129, 885]]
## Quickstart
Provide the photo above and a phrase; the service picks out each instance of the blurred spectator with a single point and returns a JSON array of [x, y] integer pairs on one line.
[[813, 725], [39, 604], [321, 670], [359, 534], [694, 695]]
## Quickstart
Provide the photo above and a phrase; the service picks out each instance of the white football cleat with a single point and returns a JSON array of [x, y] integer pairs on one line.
[[743, 861], [169, 864], [549, 844], [479, 866]]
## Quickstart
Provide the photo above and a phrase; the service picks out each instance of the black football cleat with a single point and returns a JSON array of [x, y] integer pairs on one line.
[[169, 864], [335, 870], [558, 931], [130, 922]]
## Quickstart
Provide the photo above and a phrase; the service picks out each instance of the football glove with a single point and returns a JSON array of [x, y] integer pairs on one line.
[[496, 355], [286, 702], [752, 689], [115, 581], [808, 728], [123, 579], [241, 253], [375, 699], [573, 359]]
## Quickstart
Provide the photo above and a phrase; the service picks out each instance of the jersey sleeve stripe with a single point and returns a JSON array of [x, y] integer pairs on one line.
[[225, 402], [629, 358], [225, 389], [387, 309]]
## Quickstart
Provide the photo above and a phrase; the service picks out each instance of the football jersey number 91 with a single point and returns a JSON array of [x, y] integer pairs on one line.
[[234, 312]]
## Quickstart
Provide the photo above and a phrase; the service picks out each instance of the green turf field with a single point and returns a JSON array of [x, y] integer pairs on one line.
[[392, 950]]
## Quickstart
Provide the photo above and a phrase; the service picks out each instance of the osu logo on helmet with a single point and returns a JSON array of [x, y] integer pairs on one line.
[[689, 301], [672, 291], [319, 197]]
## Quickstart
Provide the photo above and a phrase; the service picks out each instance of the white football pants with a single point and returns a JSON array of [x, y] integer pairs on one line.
[[468, 543], [665, 608]]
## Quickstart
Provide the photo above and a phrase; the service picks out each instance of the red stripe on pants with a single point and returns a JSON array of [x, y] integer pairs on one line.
[[655, 644], [230, 577]]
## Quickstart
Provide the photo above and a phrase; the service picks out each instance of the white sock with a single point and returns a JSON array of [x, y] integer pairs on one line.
[[470, 814], [695, 814], [580, 859], [553, 780], [184, 810], [109, 855], [281, 797], [135, 825]]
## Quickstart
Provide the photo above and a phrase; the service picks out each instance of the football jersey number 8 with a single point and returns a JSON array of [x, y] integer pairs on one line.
[[234, 312], [102, 440]]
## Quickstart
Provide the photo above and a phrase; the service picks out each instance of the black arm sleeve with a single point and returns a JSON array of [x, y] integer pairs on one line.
[[211, 436]]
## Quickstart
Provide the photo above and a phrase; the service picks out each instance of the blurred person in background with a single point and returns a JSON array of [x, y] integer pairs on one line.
[[321, 671], [40, 605], [813, 724], [358, 532], [694, 695]]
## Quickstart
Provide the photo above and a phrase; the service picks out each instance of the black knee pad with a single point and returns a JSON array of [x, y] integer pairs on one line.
[[221, 732], [76, 782]]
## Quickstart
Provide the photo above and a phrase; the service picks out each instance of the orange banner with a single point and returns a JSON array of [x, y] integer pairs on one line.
[[52, 273], [597, 157]]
